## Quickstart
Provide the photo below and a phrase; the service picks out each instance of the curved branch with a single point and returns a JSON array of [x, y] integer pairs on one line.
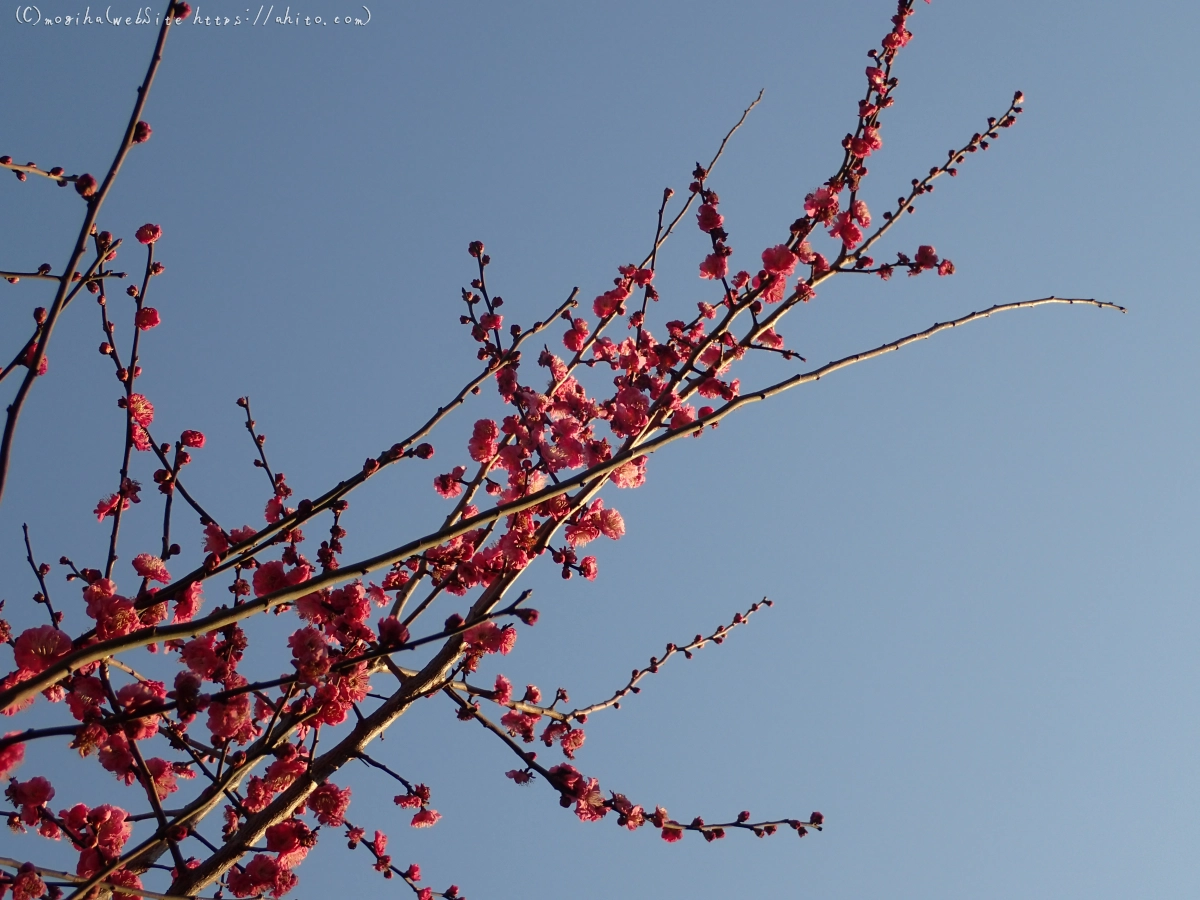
[[592, 478], [699, 641], [711, 831]]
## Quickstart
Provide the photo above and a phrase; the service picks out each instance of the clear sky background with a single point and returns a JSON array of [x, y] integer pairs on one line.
[[981, 665]]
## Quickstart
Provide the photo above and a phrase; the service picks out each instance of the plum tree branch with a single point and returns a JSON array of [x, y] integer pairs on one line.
[[595, 477]]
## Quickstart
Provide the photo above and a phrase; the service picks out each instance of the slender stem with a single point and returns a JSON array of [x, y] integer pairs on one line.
[[144, 773], [91, 275], [89, 221], [37, 572], [130, 424], [527, 758], [688, 203]]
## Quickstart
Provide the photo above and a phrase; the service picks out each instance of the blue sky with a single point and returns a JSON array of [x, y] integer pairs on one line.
[[981, 663]]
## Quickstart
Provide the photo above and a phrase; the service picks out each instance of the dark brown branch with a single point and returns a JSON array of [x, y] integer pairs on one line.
[[710, 830], [89, 221], [41, 578], [696, 643]]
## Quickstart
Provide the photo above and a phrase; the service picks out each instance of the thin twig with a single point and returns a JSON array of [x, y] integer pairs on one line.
[[41, 578], [688, 203], [93, 211]]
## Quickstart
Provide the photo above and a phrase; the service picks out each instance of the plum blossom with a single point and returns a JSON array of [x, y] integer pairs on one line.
[[138, 697], [488, 637], [682, 417], [630, 475], [30, 796], [27, 884], [927, 257], [715, 266], [520, 724], [779, 260], [262, 873], [845, 227], [450, 484], [770, 339], [589, 801], [141, 410], [426, 818], [149, 566], [868, 142], [576, 335], [595, 522], [292, 840], [188, 601], [572, 741], [482, 445], [418, 796], [271, 577], [822, 204], [503, 691], [310, 654], [610, 301], [708, 218], [329, 802], [37, 649], [148, 233]]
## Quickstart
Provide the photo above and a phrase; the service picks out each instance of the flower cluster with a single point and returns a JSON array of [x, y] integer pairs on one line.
[[566, 425]]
